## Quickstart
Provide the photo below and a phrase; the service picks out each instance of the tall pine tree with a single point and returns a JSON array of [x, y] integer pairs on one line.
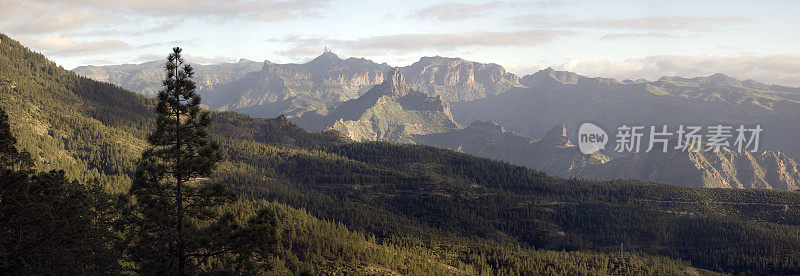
[[179, 228]]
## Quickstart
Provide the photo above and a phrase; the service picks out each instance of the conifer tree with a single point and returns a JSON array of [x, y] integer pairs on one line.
[[9, 155], [179, 227], [48, 224]]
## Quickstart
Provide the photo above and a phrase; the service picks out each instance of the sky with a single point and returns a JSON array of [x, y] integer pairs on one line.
[[620, 39]]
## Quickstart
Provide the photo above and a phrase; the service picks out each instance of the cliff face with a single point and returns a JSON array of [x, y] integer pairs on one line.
[[296, 88], [269, 89], [455, 79], [389, 111]]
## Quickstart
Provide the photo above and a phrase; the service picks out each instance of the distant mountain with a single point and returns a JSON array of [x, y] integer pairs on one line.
[[554, 154], [146, 78], [296, 88], [549, 78], [455, 79], [557, 97], [389, 111], [322, 83], [761, 170]]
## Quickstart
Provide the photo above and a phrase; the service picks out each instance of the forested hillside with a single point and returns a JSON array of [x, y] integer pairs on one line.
[[378, 207]]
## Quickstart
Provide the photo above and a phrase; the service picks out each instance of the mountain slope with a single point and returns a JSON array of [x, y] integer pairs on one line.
[[761, 170], [554, 154], [389, 111], [146, 78]]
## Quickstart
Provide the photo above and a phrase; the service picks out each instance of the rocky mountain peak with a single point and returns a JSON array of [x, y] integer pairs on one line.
[[394, 84], [550, 77], [486, 126], [326, 57], [282, 120], [557, 136], [722, 79], [438, 60]]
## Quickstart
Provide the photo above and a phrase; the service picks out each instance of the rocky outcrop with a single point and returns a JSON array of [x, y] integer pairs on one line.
[[455, 79], [296, 88], [557, 137], [389, 111]]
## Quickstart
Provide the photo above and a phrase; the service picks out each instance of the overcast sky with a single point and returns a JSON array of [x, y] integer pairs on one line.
[[621, 39]]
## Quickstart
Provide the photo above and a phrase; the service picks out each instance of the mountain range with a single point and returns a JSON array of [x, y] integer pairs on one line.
[[146, 78], [556, 154], [376, 207], [317, 85], [563, 98], [365, 100]]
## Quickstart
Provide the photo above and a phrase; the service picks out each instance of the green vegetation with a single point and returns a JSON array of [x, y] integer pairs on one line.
[[382, 208], [176, 225], [48, 223]]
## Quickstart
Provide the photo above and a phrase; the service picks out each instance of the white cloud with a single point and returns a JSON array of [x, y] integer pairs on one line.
[[645, 23], [208, 60], [264, 10], [614, 36], [405, 43], [781, 69], [59, 45], [40, 17], [73, 27], [459, 11]]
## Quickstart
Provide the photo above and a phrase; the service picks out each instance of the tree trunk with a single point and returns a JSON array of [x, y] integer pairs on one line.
[[179, 178]]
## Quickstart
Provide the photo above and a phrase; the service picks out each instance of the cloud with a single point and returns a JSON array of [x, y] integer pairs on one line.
[[647, 23], [150, 57], [208, 60], [263, 10], [458, 11], [73, 27], [60, 45], [408, 42], [455, 11], [404, 43], [637, 35], [39, 17], [781, 69]]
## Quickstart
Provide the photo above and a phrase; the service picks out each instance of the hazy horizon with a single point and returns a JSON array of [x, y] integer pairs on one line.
[[403, 65]]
